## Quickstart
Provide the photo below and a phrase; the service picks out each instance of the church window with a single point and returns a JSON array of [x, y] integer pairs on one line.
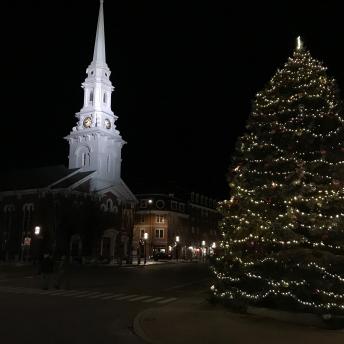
[[108, 164], [84, 157], [109, 204]]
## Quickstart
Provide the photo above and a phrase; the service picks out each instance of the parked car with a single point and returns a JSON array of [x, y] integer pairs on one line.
[[162, 255]]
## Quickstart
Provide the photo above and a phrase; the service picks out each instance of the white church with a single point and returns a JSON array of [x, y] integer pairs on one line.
[[55, 198]]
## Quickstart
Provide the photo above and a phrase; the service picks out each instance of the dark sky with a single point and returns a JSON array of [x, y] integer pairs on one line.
[[185, 74]]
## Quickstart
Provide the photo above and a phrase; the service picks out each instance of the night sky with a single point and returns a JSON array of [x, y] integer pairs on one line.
[[185, 74]]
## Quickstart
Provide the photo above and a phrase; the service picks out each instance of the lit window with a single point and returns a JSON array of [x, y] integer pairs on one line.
[[159, 233], [160, 219]]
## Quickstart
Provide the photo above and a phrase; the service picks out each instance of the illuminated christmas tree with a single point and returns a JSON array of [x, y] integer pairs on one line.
[[283, 227]]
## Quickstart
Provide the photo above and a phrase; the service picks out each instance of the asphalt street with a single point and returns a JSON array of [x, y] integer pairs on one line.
[[100, 304]]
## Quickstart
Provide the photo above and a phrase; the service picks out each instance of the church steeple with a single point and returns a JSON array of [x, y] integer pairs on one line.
[[99, 46], [95, 143]]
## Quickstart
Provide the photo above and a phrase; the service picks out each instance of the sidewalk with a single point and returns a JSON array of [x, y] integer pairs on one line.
[[198, 322]]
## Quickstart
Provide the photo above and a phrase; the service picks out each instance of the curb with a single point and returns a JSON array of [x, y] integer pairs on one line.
[[138, 328], [307, 319]]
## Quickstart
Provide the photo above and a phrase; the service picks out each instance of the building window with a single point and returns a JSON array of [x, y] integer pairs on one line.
[[182, 207], [141, 218], [142, 233], [104, 98], [160, 219], [159, 233], [91, 97]]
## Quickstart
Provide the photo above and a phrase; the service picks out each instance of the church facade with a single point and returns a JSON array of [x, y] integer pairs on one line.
[[86, 209]]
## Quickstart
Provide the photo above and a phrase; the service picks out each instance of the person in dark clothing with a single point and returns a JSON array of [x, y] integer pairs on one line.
[[47, 269]]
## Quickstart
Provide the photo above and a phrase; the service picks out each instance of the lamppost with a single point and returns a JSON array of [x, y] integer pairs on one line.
[[37, 243], [150, 202], [37, 230], [203, 249], [177, 242], [145, 237]]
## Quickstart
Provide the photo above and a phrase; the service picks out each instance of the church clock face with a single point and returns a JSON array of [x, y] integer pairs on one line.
[[107, 124], [87, 122]]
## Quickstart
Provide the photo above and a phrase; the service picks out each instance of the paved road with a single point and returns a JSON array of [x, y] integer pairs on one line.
[[100, 305]]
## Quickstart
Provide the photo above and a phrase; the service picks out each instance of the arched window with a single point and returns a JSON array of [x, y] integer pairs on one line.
[[91, 97], [104, 98], [83, 156], [109, 204]]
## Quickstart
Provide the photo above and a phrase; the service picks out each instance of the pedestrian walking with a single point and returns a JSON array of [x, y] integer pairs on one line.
[[47, 269]]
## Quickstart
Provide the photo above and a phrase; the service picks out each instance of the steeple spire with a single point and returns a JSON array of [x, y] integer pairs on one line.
[[99, 46], [299, 43]]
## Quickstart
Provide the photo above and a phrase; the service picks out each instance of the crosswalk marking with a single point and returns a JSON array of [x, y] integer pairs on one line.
[[57, 293], [139, 298], [168, 300], [125, 297], [99, 295], [111, 297], [153, 299], [87, 294]]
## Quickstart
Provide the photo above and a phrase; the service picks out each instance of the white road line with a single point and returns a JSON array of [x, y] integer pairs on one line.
[[58, 292], [139, 298], [153, 299], [111, 297], [86, 294], [126, 297], [179, 286], [99, 295], [168, 300]]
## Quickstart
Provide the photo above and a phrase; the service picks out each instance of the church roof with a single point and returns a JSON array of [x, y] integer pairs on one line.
[[43, 177], [71, 180]]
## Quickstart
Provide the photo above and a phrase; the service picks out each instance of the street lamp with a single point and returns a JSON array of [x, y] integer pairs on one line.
[[37, 230], [177, 242], [203, 249], [145, 237], [150, 202]]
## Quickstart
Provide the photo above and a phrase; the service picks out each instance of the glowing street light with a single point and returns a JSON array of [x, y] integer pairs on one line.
[[37, 230], [177, 238], [145, 237], [213, 245]]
